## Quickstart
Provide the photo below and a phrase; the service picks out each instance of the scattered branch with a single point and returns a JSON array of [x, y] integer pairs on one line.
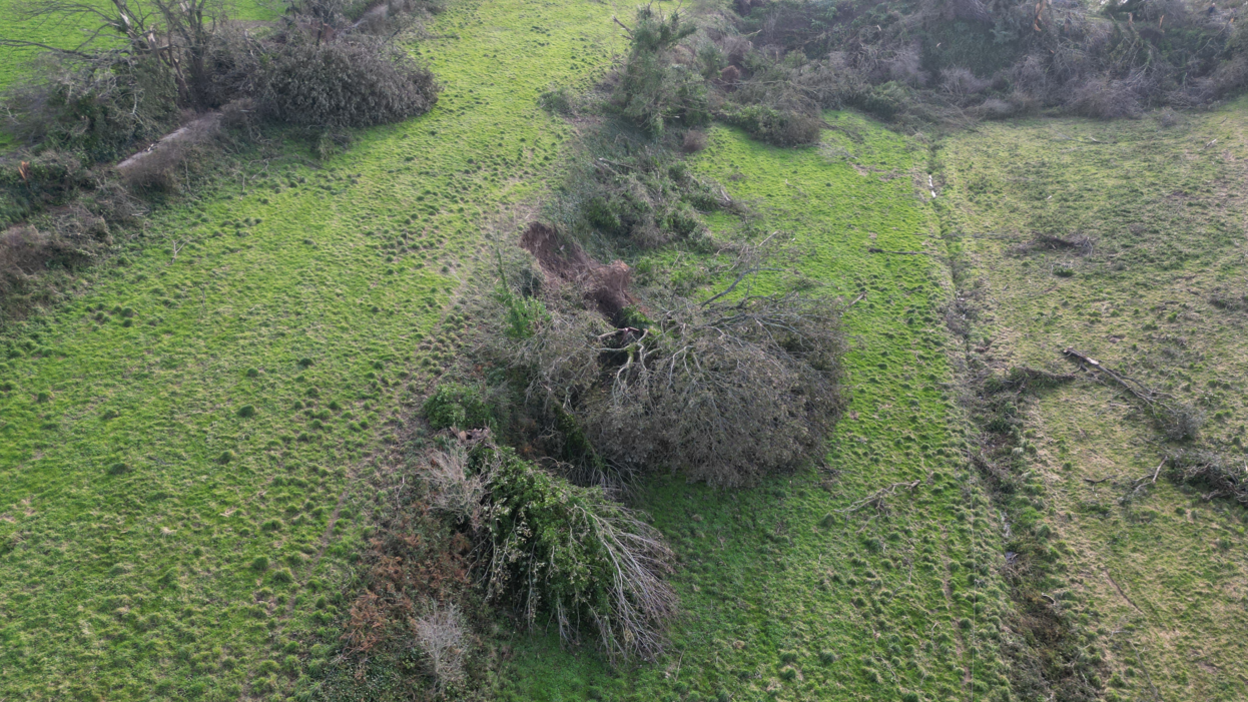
[[876, 499]]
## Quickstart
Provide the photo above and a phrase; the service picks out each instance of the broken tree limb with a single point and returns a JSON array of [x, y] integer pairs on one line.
[[627, 31], [1141, 391], [876, 499], [872, 249]]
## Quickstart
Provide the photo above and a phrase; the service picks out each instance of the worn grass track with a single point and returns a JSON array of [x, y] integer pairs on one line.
[[175, 436]]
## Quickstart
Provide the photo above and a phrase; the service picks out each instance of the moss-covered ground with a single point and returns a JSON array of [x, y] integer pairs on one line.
[[1159, 296], [178, 436]]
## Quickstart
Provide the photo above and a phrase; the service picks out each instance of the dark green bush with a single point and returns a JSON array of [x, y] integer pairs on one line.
[[457, 406], [345, 84], [574, 554], [655, 92], [782, 128], [33, 183], [637, 193], [97, 109]]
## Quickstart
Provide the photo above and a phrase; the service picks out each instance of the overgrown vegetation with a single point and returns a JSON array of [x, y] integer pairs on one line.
[[724, 391], [574, 554], [146, 67], [953, 60]]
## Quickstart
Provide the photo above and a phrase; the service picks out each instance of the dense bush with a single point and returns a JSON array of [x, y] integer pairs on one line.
[[457, 406], [345, 84], [635, 191], [782, 128], [654, 91], [26, 251], [45, 180], [727, 392], [1210, 472], [1115, 61], [97, 109], [574, 554]]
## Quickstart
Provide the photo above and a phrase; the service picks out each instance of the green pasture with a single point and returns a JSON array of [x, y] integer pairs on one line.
[[1158, 296], [177, 437]]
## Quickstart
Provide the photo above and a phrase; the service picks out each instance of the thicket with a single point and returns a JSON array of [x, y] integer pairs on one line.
[[727, 391], [959, 60], [152, 64], [769, 67], [536, 544]]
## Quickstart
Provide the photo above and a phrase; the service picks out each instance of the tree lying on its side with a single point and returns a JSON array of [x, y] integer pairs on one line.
[[573, 552]]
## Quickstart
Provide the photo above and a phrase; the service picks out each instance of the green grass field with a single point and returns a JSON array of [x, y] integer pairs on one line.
[[186, 441], [1165, 206], [178, 421]]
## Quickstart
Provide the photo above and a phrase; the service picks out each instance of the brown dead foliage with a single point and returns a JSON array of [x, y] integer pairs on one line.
[[604, 287], [408, 564]]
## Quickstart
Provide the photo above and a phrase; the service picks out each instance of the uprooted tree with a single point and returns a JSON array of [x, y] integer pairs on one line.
[[728, 389]]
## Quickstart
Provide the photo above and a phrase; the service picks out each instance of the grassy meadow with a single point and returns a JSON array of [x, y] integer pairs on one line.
[[186, 440], [1157, 296], [180, 440]]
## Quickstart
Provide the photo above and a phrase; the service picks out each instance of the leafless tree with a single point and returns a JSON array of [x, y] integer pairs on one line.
[[176, 34], [440, 638]]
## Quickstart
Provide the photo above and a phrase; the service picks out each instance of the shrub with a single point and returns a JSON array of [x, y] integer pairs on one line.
[[884, 101], [1179, 422], [97, 107], [779, 127], [693, 141], [573, 553], [43, 180], [654, 91], [345, 84], [1209, 471], [558, 101], [455, 492], [639, 194], [441, 640], [457, 406], [1102, 98]]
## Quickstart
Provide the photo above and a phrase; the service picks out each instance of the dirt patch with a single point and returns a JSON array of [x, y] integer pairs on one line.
[[604, 287]]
